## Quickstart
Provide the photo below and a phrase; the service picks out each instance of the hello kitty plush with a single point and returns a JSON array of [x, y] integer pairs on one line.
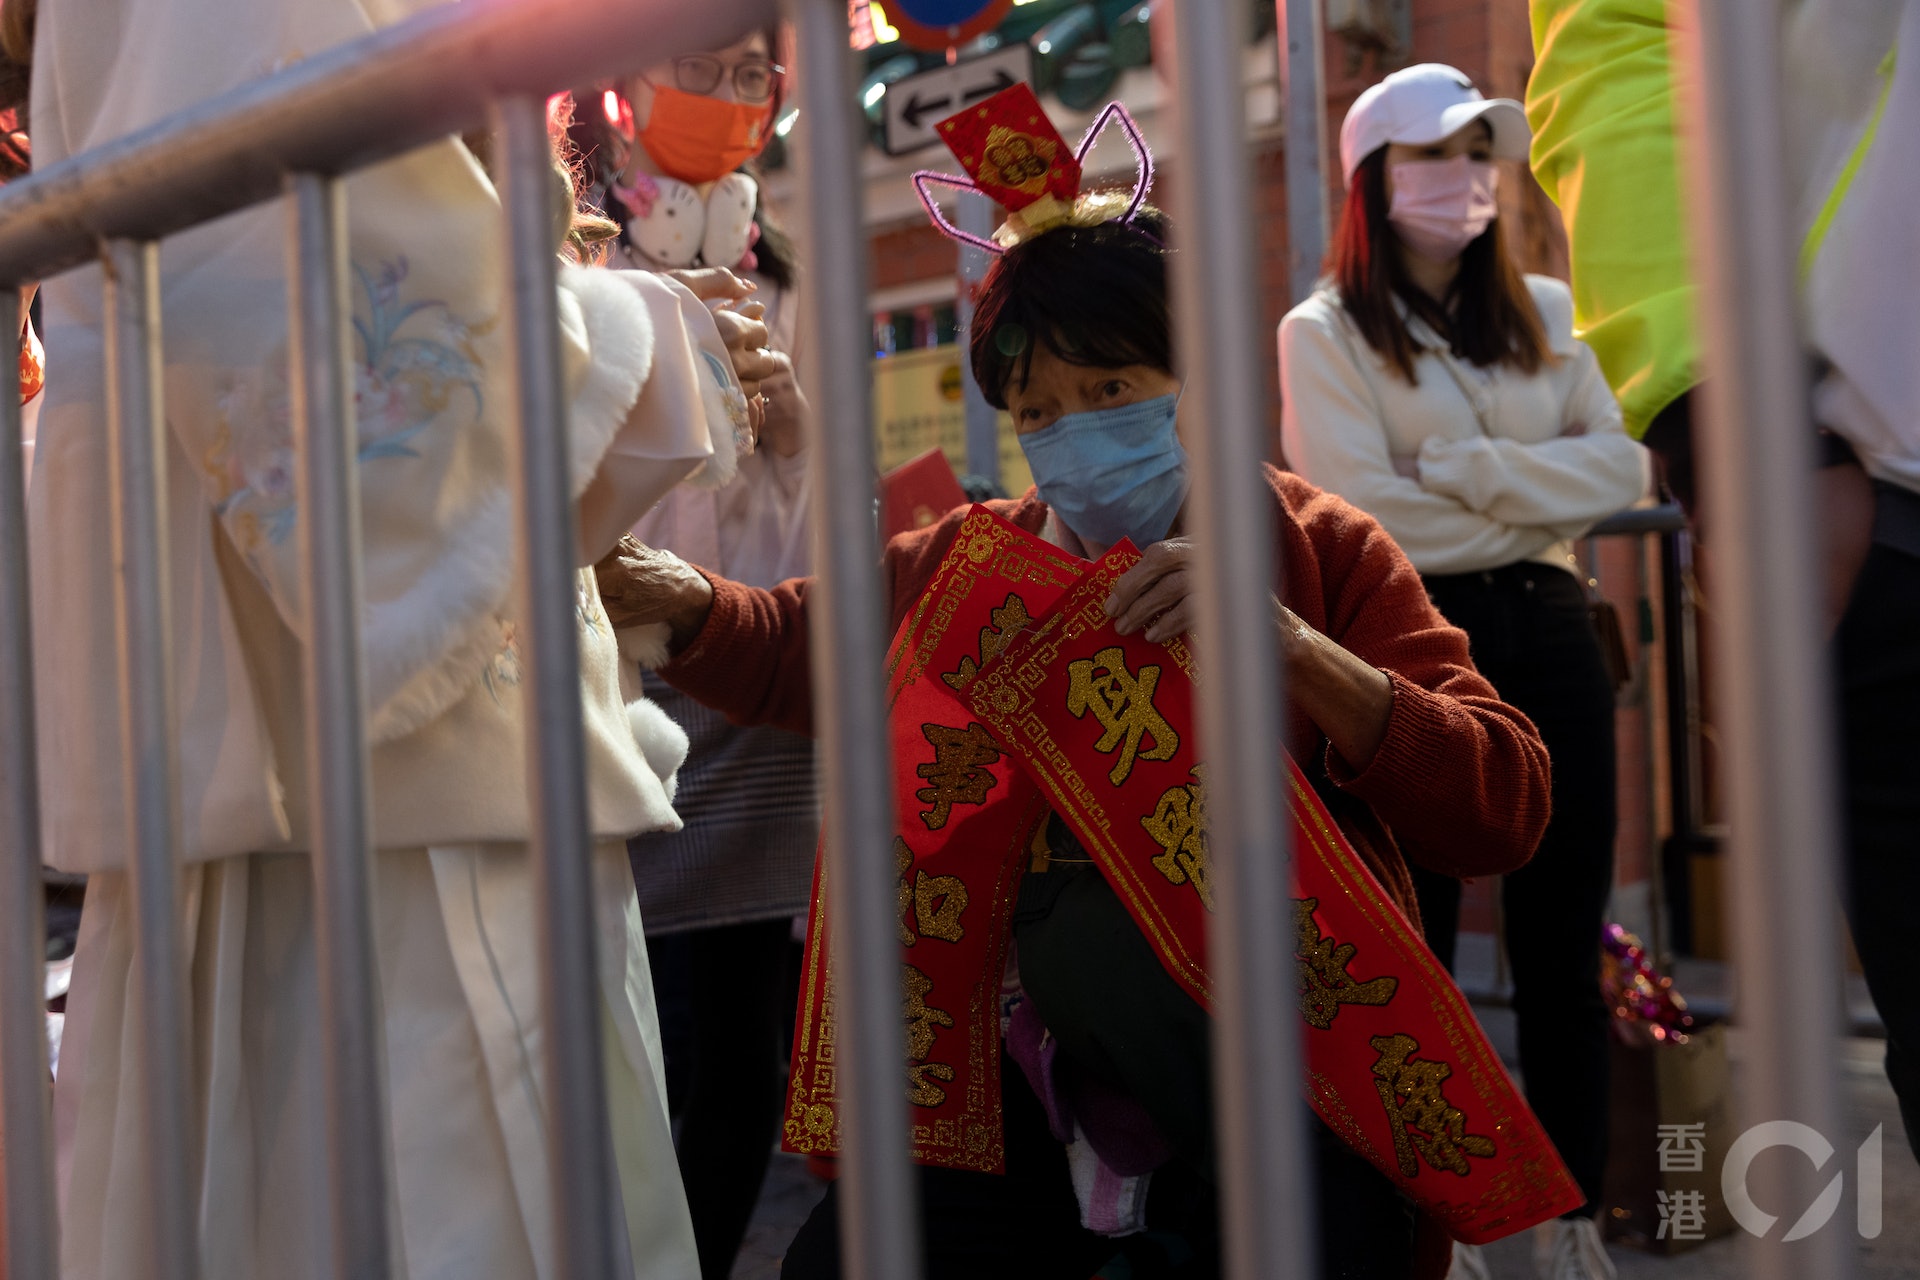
[[676, 228]]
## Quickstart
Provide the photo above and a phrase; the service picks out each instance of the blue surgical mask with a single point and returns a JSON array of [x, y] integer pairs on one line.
[[1112, 473]]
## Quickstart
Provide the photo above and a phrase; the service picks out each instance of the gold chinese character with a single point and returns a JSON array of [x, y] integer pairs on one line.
[[936, 903], [921, 1019], [1325, 984], [921, 1091], [1179, 825], [1008, 621], [1425, 1126], [1123, 704], [958, 770]]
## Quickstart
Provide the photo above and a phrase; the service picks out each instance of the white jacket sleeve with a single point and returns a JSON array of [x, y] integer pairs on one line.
[[1331, 431], [1566, 483], [686, 414]]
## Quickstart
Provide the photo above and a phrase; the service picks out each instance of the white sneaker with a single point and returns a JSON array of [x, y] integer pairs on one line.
[[1469, 1263], [1570, 1249]]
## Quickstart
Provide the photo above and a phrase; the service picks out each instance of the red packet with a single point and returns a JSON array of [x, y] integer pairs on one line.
[[917, 493], [1012, 151]]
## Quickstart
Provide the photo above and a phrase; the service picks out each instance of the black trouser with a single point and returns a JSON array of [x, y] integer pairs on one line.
[[1103, 994], [1877, 653], [1530, 636], [726, 1021]]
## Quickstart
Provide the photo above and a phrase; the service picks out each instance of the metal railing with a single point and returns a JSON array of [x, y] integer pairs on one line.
[[1680, 707], [1775, 699], [292, 135]]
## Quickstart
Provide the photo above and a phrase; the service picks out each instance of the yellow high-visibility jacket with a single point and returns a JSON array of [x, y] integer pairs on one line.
[[1605, 146]]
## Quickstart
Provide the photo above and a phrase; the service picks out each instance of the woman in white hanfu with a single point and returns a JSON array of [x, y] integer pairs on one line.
[[652, 392]]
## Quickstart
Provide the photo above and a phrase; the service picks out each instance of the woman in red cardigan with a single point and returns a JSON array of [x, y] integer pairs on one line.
[[1416, 756]]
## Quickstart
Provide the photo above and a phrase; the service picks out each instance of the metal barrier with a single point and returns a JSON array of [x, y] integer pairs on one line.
[[1680, 670], [297, 131], [1757, 462]]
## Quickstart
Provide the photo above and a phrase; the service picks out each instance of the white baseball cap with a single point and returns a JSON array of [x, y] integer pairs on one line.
[[1424, 104]]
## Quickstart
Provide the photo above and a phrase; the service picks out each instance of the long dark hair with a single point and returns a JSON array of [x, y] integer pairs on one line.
[[1487, 316], [1093, 295]]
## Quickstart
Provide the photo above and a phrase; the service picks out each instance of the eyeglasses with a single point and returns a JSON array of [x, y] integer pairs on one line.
[[754, 79]]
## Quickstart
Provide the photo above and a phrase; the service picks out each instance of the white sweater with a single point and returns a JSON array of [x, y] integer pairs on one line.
[[651, 391], [1550, 460]]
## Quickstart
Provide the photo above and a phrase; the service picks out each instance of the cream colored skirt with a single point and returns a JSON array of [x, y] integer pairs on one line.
[[458, 984]]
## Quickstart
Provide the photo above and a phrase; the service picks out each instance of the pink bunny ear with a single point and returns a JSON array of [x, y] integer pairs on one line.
[[921, 180], [1115, 111]]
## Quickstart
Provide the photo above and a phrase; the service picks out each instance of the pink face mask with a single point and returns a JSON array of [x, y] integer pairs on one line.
[[1442, 206]]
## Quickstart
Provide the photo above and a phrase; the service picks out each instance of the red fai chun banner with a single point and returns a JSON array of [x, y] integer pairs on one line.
[[965, 815], [1396, 1063]]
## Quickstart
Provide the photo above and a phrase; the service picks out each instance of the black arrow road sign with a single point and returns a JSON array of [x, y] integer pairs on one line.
[[914, 105], [918, 108], [1001, 80]]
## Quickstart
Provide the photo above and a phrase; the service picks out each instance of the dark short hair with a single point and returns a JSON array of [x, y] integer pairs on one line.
[[1094, 296]]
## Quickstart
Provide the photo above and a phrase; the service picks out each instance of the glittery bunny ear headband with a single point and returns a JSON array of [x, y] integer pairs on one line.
[[1015, 155]]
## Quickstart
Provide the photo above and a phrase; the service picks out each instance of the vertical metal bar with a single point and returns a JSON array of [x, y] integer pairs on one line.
[[1657, 935], [1758, 464], [579, 1155], [879, 1237], [1258, 1113], [321, 384], [26, 1174], [974, 213], [1681, 714], [136, 429], [1683, 681], [1302, 71]]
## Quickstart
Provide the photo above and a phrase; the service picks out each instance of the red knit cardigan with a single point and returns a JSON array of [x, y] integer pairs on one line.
[[1459, 786]]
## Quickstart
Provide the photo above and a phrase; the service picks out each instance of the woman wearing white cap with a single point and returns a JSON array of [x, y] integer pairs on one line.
[[1434, 386]]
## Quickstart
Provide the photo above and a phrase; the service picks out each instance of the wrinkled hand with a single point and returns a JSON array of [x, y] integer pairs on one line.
[[1350, 700], [714, 284], [640, 585], [1157, 593]]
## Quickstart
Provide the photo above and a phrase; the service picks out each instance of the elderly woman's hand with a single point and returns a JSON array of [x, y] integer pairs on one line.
[[1349, 700], [1157, 593], [640, 585]]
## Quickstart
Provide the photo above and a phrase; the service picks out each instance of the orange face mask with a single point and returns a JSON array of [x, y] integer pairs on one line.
[[699, 139]]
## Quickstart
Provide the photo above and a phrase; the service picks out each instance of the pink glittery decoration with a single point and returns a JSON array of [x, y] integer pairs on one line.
[[1645, 1006]]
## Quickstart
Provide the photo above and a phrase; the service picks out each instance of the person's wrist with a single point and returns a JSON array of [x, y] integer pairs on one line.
[[693, 606]]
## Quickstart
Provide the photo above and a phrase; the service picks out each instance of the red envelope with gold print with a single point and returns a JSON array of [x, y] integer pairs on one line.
[[964, 814], [1396, 1063], [1012, 150]]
